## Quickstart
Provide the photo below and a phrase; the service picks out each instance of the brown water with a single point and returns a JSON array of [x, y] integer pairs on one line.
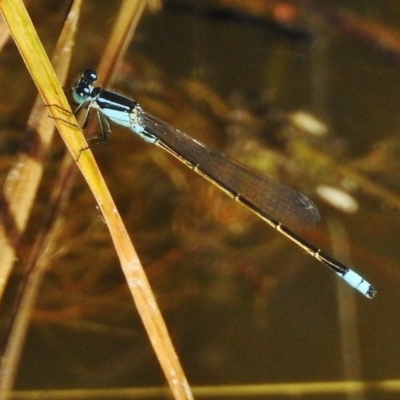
[[243, 305]]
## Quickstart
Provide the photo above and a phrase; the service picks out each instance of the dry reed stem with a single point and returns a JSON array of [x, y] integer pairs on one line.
[[45, 79]]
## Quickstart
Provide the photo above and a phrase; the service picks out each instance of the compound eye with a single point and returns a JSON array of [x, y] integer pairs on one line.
[[90, 75], [81, 94], [85, 91]]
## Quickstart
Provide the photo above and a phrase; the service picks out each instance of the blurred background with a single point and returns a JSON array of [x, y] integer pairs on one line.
[[305, 92]]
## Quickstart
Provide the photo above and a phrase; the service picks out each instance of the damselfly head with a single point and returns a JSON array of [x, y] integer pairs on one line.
[[83, 87]]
